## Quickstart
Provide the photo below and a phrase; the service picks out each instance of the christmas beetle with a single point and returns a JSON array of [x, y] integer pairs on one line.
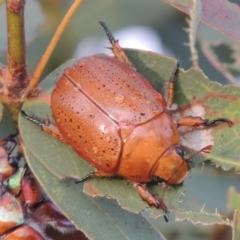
[[114, 119], [24, 214]]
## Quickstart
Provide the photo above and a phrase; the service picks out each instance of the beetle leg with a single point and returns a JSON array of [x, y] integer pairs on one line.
[[95, 174], [198, 121], [116, 48], [152, 200], [170, 87], [46, 126]]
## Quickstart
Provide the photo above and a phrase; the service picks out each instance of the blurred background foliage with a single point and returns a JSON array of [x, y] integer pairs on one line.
[[168, 22], [44, 16]]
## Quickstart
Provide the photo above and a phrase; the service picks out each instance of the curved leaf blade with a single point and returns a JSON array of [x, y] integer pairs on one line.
[[223, 16], [108, 219], [194, 93]]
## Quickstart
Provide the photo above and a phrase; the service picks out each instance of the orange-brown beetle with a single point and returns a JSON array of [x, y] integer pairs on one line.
[[23, 212], [113, 118]]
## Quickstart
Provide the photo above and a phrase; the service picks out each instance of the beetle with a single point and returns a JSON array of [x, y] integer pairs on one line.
[[114, 119], [24, 214]]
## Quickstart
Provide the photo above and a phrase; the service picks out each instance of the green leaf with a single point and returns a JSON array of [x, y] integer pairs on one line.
[[223, 16], [127, 196], [233, 199], [236, 226], [234, 203], [195, 95], [201, 217], [223, 56], [108, 219]]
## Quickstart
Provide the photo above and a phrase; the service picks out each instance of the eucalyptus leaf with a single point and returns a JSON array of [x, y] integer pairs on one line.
[[98, 218], [194, 94]]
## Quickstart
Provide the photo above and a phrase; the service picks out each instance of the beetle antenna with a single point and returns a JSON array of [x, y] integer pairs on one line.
[[206, 149], [165, 211], [108, 32], [116, 48]]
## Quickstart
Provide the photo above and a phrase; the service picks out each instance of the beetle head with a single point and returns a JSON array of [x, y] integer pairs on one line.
[[172, 167]]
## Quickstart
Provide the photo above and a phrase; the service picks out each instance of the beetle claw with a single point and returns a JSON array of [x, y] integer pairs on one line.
[[87, 177], [212, 122], [97, 174], [165, 210], [116, 48], [166, 217]]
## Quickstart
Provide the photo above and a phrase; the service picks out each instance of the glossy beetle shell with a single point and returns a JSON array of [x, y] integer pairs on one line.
[[113, 118]]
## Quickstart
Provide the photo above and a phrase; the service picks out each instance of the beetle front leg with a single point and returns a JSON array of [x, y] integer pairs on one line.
[[46, 126], [152, 200], [116, 49], [170, 87], [95, 174], [198, 121]]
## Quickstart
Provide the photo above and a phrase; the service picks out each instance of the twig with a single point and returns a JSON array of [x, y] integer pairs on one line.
[[36, 76]]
